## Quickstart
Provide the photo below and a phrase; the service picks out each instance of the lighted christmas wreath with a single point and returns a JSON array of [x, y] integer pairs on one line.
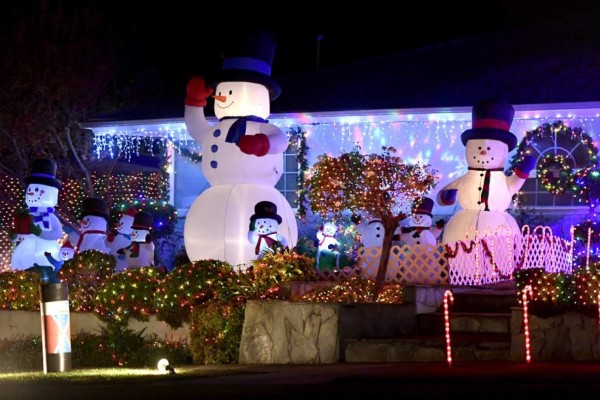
[[555, 173]]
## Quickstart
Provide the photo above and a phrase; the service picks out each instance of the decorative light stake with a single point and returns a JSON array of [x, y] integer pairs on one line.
[[572, 231], [527, 291], [587, 257], [448, 295]]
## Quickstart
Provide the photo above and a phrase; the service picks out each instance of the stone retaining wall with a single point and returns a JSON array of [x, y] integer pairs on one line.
[[571, 336], [24, 323]]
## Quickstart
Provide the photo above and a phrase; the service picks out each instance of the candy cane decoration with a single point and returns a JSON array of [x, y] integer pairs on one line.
[[572, 231], [448, 295], [527, 291], [589, 240]]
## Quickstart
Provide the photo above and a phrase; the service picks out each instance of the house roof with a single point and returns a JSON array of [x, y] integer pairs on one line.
[[555, 62]]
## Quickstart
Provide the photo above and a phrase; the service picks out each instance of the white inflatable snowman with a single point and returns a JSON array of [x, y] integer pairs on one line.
[[140, 253], [485, 193], [372, 231], [417, 230], [92, 227], [242, 156], [122, 238], [67, 252], [264, 224], [327, 244], [44, 229]]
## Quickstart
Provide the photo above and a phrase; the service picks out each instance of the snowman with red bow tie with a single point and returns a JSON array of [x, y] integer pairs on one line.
[[485, 193], [242, 158]]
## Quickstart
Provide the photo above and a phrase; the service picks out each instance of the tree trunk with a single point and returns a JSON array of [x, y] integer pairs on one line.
[[389, 224]]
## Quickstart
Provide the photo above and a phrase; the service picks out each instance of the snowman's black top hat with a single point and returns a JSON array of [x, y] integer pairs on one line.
[[251, 61], [142, 221], [491, 120], [43, 172], [425, 206], [94, 206], [265, 209]]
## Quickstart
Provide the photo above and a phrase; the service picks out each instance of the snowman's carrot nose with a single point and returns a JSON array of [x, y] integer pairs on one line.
[[483, 152], [222, 99]]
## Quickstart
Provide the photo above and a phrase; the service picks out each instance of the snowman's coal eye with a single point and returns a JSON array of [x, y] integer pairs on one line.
[[489, 148], [219, 94], [230, 92], [479, 147]]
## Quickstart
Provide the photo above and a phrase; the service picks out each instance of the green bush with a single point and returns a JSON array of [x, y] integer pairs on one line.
[[20, 290], [128, 294], [215, 332], [189, 285], [21, 353], [84, 274]]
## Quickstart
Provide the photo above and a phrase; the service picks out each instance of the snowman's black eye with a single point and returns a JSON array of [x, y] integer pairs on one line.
[[489, 148], [230, 92], [479, 147], [219, 94]]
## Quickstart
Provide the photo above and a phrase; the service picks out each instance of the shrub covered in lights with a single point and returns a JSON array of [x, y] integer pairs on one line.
[[187, 286], [555, 293], [19, 290], [354, 290], [84, 274], [215, 332], [129, 294]]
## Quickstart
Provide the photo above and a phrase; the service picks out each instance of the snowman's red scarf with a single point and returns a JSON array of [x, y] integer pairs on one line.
[[85, 233], [485, 190], [269, 240]]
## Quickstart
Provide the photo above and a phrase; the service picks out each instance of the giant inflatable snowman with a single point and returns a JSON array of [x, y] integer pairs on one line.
[[484, 193], [41, 196], [242, 156]]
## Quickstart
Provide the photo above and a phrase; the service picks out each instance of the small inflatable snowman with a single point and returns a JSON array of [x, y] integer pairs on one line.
[[242, 155], [264, 224], [67, 252], [122, 238], [41, 228], [140, 252], [485, 192], [372, 231], [327, 244], [417, 229], [92, 227]]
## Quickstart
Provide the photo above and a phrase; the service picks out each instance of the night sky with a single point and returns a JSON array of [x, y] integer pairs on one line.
[[180, 38]]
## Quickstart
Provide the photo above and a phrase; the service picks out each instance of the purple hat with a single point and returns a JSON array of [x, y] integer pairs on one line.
[[425, 206], [491, 120]]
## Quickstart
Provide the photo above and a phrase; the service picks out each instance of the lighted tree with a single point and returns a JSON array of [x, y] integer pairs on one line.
[[377, 186]]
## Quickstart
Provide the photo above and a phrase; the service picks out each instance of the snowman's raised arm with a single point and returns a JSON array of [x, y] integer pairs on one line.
[[447, 195], [196, 94], [521, 172], [278, 140]]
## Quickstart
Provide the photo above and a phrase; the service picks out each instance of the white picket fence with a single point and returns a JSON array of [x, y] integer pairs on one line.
[[480, 261]]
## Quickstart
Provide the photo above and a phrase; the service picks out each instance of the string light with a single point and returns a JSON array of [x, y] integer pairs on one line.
[[448, 297], [528, 291]]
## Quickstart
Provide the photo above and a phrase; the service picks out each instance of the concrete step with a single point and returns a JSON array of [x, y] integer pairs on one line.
[[465, 347], [434, 323], [484, 299]]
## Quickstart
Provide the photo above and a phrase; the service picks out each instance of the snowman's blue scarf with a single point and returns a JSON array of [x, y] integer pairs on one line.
[[238, 128], [42, 214]]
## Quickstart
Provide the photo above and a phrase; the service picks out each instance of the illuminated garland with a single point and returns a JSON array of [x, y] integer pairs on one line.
[[298, 135], [555, 173]]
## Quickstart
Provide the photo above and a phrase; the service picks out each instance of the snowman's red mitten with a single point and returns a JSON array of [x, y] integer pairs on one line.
[[447, 196], [197, 92], [257, 145], [525, 166]]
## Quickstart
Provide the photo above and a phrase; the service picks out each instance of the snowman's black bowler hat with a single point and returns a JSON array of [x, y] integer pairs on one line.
[[43, 172], [250, 61], [265, 209], [94, 206], [491, 120], [142, 221]]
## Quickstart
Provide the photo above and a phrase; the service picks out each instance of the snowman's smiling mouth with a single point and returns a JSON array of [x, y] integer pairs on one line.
[[227, 106]]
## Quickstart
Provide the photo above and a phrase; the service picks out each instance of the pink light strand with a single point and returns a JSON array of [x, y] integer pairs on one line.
[[527, 291], [448, 295]]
